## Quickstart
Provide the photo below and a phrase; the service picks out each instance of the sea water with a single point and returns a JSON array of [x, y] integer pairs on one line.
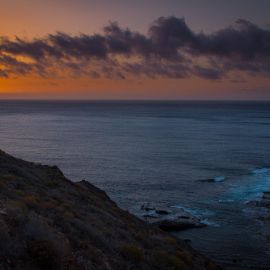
[[161, 153]]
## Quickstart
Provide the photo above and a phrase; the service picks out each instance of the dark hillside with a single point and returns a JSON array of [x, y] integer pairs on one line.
[[49, 222]]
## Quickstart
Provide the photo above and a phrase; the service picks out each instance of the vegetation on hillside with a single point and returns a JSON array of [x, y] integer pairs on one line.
[[49, 222]]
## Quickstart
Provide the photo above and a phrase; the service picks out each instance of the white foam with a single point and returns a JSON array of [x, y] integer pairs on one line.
[[219, 178], [194, 212], [210, 223], [251, 188], [226, 200], [261, 171]]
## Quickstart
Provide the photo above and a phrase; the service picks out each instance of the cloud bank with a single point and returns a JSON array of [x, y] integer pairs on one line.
[[170, 49]]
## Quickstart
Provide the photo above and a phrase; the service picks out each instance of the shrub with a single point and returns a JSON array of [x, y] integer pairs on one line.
[[176, 263], [68, 215], [52, 184], [20, 192], [164, 259], [170, 240], [48, 205], [5, 242], [184, 256], [132, 252], [16, 206], [31, 201], [9, 177], [42, 254], [212, 266]]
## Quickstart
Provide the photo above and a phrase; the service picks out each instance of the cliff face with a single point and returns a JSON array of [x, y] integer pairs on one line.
[[49, 222]]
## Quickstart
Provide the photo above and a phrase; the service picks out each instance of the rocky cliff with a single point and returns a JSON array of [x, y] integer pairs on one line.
[[50, 222]]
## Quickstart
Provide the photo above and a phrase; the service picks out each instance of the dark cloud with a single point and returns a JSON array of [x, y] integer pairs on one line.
[[208, 73], [169, 35], [3, 74], [153, 69], [169, 49], [36, 49], [123, 41], [82, 46], [243, 41], [13, 66]]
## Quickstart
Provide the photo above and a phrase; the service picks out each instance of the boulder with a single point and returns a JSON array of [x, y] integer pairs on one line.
[[147, 207], [263, 202], [170, 220], [179, 223], [163, 211]]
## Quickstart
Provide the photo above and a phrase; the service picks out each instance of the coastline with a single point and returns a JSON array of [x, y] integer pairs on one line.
[[49, 222]]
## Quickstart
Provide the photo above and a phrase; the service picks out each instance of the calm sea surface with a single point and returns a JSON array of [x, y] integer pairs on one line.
[[158, 152]]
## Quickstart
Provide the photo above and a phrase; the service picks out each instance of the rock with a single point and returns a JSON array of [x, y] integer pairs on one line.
[[187, 240], [179, 223], [262, 213], [210, 180], [158, 211], [214, 180], [3, 212], [263, 202], [266, 196], [253, 203], [147, 207], [151, 214], [168, 220], [163, 211]]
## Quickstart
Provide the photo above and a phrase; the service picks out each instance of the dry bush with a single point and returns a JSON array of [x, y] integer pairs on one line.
[[132, 252], [43, 255], [167, 261]]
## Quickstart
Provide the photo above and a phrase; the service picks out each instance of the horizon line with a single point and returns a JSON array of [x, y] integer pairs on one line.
[[131, 100]]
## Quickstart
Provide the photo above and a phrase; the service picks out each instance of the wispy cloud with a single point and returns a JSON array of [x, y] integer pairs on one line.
[[169, 49]]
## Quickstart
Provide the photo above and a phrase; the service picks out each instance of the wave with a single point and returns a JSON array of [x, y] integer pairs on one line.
[[219, 178], [195, 212], [260, 171], [225, 200], [214, 179], [257, 183], [210, 223]]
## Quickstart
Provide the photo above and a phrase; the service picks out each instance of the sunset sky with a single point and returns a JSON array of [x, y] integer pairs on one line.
[[144, 49]]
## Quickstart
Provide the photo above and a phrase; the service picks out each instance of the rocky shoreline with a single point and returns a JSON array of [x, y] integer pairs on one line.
[[171, 220], [263, 204], [49, 222]]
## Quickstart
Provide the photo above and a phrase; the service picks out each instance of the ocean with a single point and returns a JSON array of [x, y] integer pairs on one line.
[[161, 153]]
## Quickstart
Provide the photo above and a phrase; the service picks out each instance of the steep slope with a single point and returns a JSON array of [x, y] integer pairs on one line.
[[49, 222]]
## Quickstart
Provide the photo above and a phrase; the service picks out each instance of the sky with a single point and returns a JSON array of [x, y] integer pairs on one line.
[[144, 49]]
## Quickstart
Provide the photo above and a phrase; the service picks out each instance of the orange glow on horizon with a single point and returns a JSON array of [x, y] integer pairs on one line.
[[36, 19], [85, 88]]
